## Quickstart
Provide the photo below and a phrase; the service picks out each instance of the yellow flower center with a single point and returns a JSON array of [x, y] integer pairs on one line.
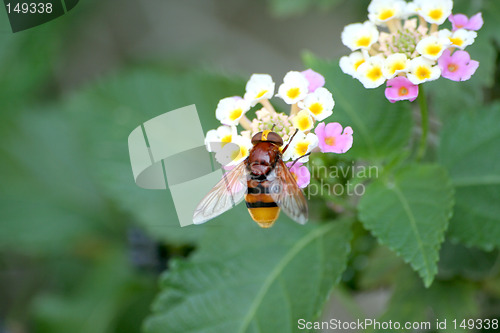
[[374, 73], [293, 93], [397, 66], [316, 108], [226, 138], [423, 73], [330, 140], [304, 123], [386, 14], [456, 41], [358, 63], [433, 49], [235, 114], [452, 67], [237, 154], [262, 93], [436, 14], [363, 41], [403, 91], [301, 148], [243, 151]]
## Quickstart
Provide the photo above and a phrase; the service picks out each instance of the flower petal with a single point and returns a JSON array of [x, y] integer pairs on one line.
[[475, 22]]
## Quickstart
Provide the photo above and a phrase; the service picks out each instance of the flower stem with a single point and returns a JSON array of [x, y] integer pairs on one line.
[[422, 102], [391, 24], [434, 28], [246, 123], [267, 105], [422, 22]]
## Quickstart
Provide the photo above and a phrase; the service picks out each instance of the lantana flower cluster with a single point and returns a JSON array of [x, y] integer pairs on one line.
[[402, 44], [310, 104]]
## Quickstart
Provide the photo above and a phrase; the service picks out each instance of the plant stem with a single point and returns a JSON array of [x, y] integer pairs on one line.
[[246, 123], [422, 102], [267, 105]]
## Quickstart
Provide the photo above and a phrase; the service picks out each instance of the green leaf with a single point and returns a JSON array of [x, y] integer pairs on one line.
[[110, 297], [244, 278], [381, 268], [456, 260], [444, 300], [381, 128], [409, 213], [469, 150], [50, 203]]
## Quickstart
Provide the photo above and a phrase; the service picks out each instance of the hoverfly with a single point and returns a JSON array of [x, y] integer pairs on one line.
[[263, 180]]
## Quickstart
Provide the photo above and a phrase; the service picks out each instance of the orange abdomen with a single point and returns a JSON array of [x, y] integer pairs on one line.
[[261, 205]]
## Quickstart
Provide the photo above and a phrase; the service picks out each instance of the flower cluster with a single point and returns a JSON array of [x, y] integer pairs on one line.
[[311, 103], [402, 44]]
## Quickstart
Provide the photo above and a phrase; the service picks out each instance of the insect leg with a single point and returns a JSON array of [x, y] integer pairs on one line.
[[293, 163]]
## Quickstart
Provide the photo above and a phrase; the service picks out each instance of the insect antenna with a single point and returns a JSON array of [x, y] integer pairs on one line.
[[273, 127], [289, 141]]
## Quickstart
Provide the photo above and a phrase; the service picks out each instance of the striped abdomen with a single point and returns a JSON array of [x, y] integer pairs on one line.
[[260, 204]]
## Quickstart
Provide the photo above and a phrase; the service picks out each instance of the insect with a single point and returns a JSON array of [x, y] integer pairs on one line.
[[263, 180]]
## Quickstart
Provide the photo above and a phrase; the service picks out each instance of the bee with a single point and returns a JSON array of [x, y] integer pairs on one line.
[[263, 180]]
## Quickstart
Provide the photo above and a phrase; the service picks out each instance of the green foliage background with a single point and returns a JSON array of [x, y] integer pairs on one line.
[[427, 233]]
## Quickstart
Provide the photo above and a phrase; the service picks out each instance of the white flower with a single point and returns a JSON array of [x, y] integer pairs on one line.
[[320, 104], [370, 73], [423, 70], [359, 35], [260, 86], [301, 145], [230, 110], [303, 121], [460, 38], [217, 138], [394, 64], [380, 11], [294, 87], [433, 46], [349, 64], [410, 9], [235, 152], [434, 11]]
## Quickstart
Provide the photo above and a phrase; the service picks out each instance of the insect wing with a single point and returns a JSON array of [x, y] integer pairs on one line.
[[287, 194], [227, 193]]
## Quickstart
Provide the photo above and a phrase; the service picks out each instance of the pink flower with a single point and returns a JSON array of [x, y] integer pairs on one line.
[[400, 88], [461, 21], [457, 67], [300, 173], [331, 138], [316, 80]]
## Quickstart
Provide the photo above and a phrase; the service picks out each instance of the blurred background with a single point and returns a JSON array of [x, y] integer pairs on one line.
[[82, 247]]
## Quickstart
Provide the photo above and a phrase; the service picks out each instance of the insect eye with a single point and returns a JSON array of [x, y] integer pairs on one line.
[[275, 138], [257, 137]]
